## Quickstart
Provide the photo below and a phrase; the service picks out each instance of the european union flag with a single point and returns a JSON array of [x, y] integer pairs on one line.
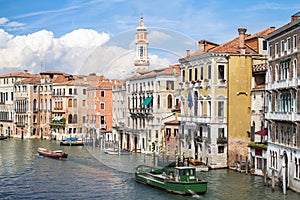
[[190, 100]]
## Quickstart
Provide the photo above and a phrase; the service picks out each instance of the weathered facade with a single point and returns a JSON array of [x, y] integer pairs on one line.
[[282, 114]]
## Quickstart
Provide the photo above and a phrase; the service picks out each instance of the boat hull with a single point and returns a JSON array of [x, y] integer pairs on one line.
[[52, 154], [170, 184]]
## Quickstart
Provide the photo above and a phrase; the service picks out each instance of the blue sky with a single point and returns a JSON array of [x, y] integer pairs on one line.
[[64, 34]]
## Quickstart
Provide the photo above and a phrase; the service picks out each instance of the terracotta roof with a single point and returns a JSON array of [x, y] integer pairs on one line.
[[17, 74], [33, 79], [173, 122], [156, 72], [232, 46]]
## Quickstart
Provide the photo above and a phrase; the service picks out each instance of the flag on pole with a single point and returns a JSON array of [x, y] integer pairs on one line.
[[190, 100]]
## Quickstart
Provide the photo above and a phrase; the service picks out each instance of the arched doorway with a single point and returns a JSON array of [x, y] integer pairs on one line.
[[285, 161]]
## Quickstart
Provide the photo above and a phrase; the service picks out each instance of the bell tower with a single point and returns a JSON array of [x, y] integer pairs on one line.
[[141, 61]]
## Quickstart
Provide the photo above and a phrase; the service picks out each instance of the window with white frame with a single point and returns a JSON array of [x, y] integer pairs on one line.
[[270, 52], [295, 42], [220, 108], [295, 67], [221, 72], [282, 45], [276, 50], [190, 74], [209, 72], [288, 45], [102, 105], [195, 73]]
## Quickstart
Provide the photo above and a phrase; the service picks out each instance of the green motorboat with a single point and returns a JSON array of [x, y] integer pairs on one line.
[[180, 180]]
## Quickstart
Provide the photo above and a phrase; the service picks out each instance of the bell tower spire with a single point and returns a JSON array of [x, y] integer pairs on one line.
[[141, 61]]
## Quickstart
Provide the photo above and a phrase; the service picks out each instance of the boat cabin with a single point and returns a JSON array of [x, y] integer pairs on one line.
[[185, 174]]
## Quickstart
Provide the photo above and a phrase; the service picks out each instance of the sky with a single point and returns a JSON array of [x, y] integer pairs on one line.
[[98, 36]]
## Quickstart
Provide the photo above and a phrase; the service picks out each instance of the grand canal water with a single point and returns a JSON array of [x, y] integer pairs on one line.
[[25, 175]]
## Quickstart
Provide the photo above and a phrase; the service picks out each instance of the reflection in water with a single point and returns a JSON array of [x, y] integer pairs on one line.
[[25, 175]]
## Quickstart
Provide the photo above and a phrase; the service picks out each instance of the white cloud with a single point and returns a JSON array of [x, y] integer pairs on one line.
[[3, 20], [14, 24], [42, 50], [158, 36]]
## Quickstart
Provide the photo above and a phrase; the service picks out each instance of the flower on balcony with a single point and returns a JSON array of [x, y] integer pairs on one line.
[[193, 82], [222, 80], [198, 81], [180, 83], [186, 82]]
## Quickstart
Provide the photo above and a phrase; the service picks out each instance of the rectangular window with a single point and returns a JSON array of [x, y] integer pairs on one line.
[[282, 47], [190, 74], [220, 109], [288, 44], [183, 76], [175, 132], [75, 91], [70, 90], [276, 49], [102, 120], [209, 72], [264, 42], [201, 73], [270, 51], [102, 106], [221, 72], [168, 132], [170, 85], [84, 91], [196, 74], [295, 43], [220, 149], [102, 93]]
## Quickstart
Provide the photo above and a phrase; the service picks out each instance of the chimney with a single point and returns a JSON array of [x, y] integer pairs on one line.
[[188, 53], [242, 47], [295, 17], [202, 45], [25, 71]]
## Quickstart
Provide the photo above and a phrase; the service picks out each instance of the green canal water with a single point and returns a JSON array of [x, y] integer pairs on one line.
[[88, 173]]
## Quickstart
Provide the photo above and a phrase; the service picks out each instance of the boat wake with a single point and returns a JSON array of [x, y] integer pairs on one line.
[[123, 163]]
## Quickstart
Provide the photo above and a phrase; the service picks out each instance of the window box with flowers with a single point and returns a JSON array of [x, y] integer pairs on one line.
[[193, 82]]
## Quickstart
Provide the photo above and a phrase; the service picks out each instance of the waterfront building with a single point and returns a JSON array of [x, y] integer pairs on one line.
[[29, 117], [69, 106], [7, 112], [99, 110], [119, 110], [282, 113], [150, 97], [216, 99]]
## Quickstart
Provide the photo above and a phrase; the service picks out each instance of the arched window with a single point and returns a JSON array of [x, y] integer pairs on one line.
[[75, 103], [295, 74], [70, 103], [75, 118], [169, 101], [34, 105], [158, 101], [70, 119]]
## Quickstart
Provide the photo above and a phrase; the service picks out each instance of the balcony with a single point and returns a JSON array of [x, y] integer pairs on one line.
[[222, 140], [258, 145], [283, 116], [283, 84], [198, 119]]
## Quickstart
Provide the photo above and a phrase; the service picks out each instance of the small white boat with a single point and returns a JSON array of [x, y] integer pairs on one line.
[[118, 152]]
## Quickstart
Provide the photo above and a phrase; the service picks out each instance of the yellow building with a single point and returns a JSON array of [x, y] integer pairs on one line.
[[216, 99]]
